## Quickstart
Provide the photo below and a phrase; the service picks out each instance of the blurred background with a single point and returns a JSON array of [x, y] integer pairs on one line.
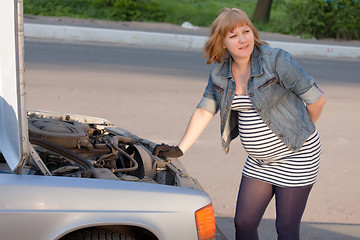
[[339, 19]]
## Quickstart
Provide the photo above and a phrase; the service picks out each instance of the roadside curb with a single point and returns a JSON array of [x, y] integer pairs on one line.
[[169, 40]]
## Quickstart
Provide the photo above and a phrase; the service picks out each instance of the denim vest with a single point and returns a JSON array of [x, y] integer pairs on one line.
[[278, 88]]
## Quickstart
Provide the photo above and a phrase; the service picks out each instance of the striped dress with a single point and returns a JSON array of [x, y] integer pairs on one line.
[[269, 159]]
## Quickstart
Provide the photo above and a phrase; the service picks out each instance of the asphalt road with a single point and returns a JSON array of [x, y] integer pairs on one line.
[[153, 92], [165, 62]]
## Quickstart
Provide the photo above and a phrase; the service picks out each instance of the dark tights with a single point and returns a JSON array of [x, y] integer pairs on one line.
[[254, 196]]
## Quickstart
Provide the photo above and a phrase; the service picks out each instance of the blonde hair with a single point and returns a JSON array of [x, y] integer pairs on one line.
[[227, 20]]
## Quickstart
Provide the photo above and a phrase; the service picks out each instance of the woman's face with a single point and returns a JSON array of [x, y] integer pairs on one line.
[[240, 42]]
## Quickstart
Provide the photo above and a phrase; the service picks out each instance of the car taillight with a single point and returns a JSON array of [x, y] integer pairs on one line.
[[205, 223]]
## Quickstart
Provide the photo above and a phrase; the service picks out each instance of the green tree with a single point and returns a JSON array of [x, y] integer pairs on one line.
[[262, 10]]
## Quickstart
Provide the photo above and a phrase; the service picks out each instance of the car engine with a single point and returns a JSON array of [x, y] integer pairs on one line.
[[88, 147]]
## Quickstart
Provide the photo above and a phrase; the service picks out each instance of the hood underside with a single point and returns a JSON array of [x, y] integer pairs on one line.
[[10, 127]]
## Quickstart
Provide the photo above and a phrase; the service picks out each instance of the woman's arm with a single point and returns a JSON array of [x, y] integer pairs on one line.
[[315, 109], [198, 122]]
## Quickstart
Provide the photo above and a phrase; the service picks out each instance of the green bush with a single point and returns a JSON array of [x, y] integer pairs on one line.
[[68, 8], [128, 10], [308, 18], [347, 24], [115, 10], [324, 18], [198, 12]]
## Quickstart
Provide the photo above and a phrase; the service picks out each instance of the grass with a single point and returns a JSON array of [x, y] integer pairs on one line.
[[198, 12]]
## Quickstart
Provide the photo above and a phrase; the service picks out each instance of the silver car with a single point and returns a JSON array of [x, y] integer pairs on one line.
[[66, 176]]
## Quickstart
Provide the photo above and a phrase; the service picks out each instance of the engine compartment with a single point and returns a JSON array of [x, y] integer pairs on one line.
[[86, 147]]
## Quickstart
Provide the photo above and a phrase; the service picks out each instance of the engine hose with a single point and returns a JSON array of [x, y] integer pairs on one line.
[[126, 140], [114, 143], [103, 157], [63, 151]]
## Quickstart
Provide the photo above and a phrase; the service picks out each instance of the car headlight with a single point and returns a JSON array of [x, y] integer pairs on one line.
[[205, 222]]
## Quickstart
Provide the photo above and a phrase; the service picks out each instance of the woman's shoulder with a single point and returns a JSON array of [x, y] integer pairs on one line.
[[268, 50], [273, 55], [222, 69]]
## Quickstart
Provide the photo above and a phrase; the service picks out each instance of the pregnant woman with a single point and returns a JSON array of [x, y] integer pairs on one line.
[[266, 98]]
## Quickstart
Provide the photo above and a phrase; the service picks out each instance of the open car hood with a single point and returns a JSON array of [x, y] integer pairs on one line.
[[12, 124], [9, 121], [68, 145]]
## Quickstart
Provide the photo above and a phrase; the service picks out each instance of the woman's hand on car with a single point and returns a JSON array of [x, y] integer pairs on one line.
[[165, 150]]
